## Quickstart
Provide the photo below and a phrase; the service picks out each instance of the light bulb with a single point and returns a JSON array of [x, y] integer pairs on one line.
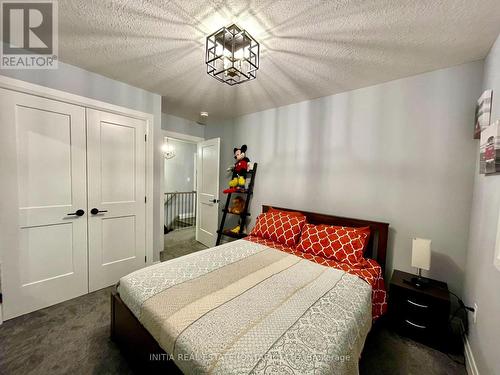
[[239, 54]]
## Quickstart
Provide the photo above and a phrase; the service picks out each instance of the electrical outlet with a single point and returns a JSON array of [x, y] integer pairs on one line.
[[474, 315]]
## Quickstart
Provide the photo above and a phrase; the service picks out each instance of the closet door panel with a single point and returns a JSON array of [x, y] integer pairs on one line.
[[116, 191], [45, 258]]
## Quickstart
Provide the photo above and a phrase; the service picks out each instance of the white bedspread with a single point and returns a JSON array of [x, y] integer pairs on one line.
[[244, 308]]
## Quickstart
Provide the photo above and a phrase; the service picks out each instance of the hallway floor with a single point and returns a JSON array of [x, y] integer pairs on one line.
[[180, 242]]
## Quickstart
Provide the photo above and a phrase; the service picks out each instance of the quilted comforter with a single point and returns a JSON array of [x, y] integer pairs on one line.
[[246, 308]]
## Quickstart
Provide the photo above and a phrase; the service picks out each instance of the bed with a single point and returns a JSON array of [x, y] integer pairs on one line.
[[249, 307]]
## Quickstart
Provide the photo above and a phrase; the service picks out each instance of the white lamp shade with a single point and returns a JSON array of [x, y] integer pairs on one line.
[[421, 253]]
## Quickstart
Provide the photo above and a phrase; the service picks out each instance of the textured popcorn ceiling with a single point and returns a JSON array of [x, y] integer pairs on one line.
[[310, 48]]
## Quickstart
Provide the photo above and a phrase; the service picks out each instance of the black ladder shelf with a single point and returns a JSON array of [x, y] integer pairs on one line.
[[243, 215]]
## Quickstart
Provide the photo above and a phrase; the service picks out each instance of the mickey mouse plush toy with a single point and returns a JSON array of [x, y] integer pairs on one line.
[[239, 169]]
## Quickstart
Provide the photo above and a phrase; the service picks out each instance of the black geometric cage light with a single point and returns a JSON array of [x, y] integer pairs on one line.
[[232, 55]]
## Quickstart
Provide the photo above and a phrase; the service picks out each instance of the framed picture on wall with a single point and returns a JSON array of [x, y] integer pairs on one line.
[[490, 149], [483, 113]]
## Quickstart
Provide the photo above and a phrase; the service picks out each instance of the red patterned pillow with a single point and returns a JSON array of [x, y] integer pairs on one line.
[[291, 213], [279, 227], [344, 244]]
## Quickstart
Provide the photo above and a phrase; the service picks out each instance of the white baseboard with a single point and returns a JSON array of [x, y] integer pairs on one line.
[[470, 362]]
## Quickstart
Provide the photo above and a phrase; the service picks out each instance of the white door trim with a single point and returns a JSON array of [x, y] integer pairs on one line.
[[63, 96], [181, 136]]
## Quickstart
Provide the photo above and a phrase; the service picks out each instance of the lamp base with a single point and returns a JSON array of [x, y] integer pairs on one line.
[[418, 282]]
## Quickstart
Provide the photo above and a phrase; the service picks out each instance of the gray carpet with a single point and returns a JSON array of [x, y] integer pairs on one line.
[[69, 338], [73, 338], [386, 352], [180, 242]]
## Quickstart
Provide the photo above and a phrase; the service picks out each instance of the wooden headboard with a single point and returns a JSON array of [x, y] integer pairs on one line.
[[377, 246]]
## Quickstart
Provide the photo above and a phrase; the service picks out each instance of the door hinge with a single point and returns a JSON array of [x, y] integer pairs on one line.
[[145, 261], [146, 199], [145, 137]]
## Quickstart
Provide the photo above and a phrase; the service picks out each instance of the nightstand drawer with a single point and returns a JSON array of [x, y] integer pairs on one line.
[[416, 330], [415, 299], [416, 308], [423, 318], [412, 324], [423, 306]]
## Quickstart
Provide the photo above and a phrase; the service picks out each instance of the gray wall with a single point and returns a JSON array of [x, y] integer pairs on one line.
[[91, 85], [223, 130], [182, 125], [400, 152], [179, 171], [482, 282]]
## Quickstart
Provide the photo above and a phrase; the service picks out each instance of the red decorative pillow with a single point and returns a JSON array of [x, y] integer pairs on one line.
[[279, 227], [343, 244], [291, 213]]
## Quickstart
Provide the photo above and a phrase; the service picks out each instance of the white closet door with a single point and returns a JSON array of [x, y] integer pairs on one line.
[[44, 244], [116, 188]]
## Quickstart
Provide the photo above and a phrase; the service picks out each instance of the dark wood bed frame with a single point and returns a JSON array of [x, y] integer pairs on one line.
[[141, 349]]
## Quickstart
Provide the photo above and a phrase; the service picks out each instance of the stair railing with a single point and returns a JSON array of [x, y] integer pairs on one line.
[[180, 210]]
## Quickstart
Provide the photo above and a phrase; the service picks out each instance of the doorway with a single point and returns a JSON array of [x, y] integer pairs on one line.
[[180, 197], [190, 208]]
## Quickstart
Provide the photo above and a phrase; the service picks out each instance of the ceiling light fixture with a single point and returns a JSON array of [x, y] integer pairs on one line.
[[232, 55], [203, 118]]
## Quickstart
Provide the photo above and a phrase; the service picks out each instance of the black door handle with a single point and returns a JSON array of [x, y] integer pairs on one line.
[[79, 212], [215, 201], [96, 211]]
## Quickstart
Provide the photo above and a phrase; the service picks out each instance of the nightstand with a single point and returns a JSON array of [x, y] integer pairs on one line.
[[421, 314]]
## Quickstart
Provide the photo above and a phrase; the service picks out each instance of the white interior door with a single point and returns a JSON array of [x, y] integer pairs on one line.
[[44, 256], [208, 191], [116, 189]]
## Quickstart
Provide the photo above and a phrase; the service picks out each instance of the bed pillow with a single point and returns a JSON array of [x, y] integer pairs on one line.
[[291, 213], [343, 244], [279, 227]]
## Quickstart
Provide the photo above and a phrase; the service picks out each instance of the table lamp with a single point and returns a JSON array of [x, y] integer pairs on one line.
[[421, 259]]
